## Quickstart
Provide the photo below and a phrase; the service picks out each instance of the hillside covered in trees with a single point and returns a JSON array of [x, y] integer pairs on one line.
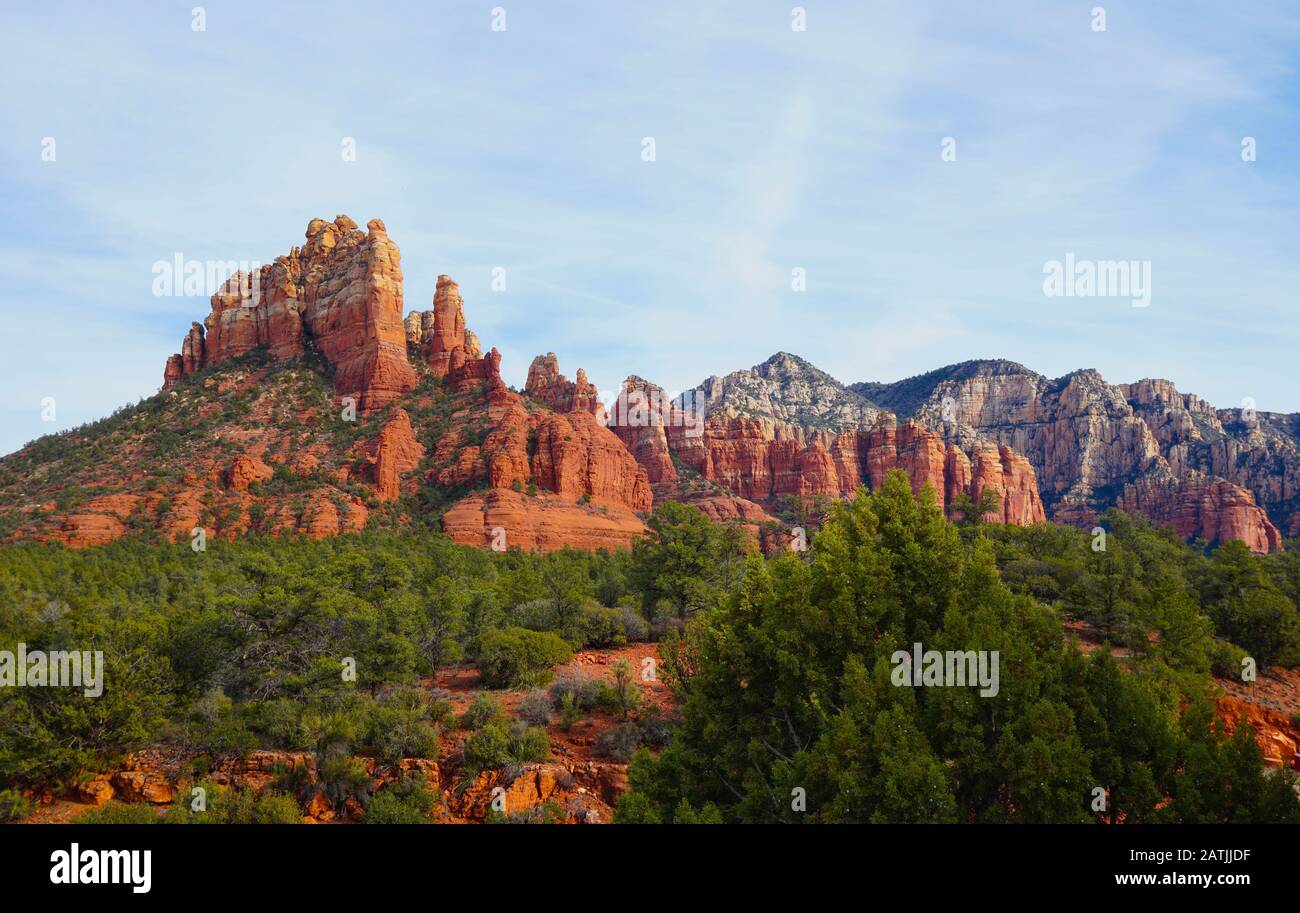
[[780, 667]]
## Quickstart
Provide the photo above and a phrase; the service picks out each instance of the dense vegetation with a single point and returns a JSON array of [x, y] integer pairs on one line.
[[780, 664], [790, 713]]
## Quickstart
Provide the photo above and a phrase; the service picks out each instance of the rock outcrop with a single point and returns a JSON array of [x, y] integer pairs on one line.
[[786, 430], [639, 416], [553, 479], [247, 470], [1200, 507], [546, 384], [1213, 474], [397, 452], [504, 519], [339, 295]]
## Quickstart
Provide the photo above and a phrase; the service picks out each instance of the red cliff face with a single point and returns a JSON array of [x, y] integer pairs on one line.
[[766, 461], [397, 452], [1214, 474], [553, 480], [1198, 507], [556, 476], [638, 416], [340, 293]]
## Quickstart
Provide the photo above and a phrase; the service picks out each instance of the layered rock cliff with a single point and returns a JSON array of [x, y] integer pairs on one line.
[[340, 294], [785, 429], [1210, 473]]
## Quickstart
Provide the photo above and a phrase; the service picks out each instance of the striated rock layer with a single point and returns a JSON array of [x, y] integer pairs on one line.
[[787, 430], [340, 295], [1214, 474]]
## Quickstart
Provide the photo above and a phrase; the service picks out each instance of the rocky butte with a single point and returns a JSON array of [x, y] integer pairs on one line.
[[340, 294], [307, 402]]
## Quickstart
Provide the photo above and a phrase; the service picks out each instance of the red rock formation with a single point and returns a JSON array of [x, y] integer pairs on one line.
[[541, 523], [764, 461], [1276, 733], [444, 349], [192, 350], [1203, 508], [173, 371], [588, 487], [576, 456], [341, 294], [1009, 476], [245, 471], [450, 350], [546, 384], [638, 417], [84, 530], [397, 452], [100, 521]]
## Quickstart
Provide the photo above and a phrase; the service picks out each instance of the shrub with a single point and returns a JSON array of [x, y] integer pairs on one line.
[[535, 708], [619, 743], [14, 806], [115, 812], [246, 807], [530, 744], [216, 727], [481, 711], [407, 801], [341, 778], [602, 626], [635, 627], [583, 692], [623, 696], [656, 730], [570, 713], [499, 743], [487, 748], [439, 708], [227, 805], [584, 623], [1225, 659], [397, 732], [519, 658], [549, 812], [293, 780], [279, 722], [635, 808]]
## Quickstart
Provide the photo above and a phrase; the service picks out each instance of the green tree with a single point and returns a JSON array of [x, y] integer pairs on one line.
[[685, 562]]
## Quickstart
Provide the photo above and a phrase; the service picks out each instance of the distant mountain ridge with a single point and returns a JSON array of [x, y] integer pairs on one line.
[[1145, 445]]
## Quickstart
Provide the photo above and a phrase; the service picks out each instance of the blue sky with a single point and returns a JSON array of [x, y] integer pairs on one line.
[[775, 149]]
